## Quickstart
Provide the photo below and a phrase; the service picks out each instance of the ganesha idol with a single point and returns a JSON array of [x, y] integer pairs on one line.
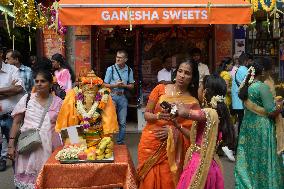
[[90, 106]]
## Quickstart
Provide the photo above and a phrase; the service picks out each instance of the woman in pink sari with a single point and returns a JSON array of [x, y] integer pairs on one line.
[[63, 73], [202, 168]]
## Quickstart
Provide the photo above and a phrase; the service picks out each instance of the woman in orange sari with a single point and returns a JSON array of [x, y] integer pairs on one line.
[[162, 148]]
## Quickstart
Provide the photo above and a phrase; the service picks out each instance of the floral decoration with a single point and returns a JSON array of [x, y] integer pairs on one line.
[[99, 104], [215, 100], [70, 152]]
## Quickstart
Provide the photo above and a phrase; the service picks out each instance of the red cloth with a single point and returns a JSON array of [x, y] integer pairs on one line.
[[120, 173]]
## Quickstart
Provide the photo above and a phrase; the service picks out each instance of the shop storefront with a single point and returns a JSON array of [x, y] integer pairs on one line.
[[149, 30]]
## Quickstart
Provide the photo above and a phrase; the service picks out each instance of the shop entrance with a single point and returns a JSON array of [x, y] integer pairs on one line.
[[176, 42], [109, 41]]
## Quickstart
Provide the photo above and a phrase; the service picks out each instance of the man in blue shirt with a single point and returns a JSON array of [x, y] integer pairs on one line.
[[119, 77], [240, 74], [13, 57]]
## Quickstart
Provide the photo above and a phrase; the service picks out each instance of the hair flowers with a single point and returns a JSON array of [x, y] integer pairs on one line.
[[251, 73], [215, 100]]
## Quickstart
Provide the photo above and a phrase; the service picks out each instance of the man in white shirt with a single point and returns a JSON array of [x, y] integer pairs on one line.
[[165, 74], [11, 90], [202, 69]]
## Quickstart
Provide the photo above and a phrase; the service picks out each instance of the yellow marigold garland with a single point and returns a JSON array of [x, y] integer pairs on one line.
[[265, 7], [4, 2]]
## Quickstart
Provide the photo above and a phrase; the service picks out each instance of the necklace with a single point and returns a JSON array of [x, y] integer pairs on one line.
[[95, 111]]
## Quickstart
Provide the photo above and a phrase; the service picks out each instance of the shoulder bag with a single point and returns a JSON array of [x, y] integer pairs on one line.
[[129, 93], [30, 140]]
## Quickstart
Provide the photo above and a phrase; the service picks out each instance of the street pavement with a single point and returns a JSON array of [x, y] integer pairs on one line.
[[132, 140]]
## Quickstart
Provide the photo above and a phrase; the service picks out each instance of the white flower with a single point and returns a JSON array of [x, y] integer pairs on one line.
[[215, 100]]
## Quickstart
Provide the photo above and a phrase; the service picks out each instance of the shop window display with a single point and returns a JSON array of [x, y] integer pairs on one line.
[[176, 42]]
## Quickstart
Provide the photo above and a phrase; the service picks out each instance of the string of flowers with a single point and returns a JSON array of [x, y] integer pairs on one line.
[[95, 111], [215, 100], [265, 7], [251, 70], [70, 152]]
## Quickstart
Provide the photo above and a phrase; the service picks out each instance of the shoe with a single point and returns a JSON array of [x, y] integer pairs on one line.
[[2, 165], [229, 153]]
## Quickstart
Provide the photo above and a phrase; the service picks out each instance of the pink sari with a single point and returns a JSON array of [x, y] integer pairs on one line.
[[202, 166]]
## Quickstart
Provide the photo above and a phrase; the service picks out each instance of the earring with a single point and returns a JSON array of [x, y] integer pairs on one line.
[[204, 103]]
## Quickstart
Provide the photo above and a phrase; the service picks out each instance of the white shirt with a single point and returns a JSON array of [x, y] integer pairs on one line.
[[203, 71], [165, 75], [8, 74]]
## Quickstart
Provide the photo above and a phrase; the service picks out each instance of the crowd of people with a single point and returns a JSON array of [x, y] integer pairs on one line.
[[28, 102], [190, 116]]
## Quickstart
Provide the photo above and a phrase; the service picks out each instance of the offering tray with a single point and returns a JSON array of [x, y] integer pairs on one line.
[[75, 161]]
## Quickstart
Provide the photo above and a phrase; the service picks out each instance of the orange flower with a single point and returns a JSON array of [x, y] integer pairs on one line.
[[101, 105]]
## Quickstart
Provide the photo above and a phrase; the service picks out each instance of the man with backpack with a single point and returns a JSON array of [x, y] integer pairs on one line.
[[119, 78]]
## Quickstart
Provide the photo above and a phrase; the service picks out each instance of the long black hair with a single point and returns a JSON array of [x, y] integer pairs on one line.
[[194, 84], [214, 85], [226, 61], [44, 67], [258, 67], [59, 58]]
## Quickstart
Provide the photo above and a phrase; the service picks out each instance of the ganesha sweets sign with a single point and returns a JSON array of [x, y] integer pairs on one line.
[[154, 15], [153, 12]]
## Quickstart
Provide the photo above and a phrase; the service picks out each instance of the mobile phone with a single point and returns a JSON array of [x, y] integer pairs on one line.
[[166, 106]]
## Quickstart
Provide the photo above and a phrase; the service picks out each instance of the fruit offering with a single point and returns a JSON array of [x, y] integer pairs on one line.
[[105, 148]]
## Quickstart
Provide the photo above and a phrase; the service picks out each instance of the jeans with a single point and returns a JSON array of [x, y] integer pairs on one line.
[[121, 103], [5, 125]]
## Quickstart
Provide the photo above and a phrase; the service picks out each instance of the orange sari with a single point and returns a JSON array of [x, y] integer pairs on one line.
[[160, 162]]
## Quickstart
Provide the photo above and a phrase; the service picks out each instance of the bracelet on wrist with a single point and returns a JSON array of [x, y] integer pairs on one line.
[[11, 137]]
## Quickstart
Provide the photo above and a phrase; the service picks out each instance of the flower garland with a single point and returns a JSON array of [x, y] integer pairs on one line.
[[265, 7], [94, 113], [251, 70], [215, 100], [70, 152]]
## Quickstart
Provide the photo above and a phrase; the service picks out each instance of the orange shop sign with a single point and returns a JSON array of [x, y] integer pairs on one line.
[[112, 12]]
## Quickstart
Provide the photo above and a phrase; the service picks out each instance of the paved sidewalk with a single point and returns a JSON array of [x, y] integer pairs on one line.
[[132, 140]]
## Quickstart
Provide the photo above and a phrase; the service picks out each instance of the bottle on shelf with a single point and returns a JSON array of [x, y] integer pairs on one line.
[[272, 49], [254, 33], [250, 34], [256, 48]]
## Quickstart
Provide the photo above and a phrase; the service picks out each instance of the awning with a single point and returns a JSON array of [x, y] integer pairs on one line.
[[138, 12]]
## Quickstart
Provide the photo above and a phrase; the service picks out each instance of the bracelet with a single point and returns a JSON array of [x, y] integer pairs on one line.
[[11, 137], [10, 147]]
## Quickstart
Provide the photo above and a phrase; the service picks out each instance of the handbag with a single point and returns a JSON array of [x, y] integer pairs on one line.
[[30, 140]]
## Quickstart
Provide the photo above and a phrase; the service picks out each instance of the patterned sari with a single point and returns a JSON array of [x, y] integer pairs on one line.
[[160, 162], [258, 164], [202, 167]]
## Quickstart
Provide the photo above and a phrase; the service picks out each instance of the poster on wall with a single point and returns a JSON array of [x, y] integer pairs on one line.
[[52, 43], [223, 42], [239, 46], [82, 50]]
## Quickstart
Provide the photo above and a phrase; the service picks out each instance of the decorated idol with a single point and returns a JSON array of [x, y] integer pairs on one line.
[[89, 105]]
